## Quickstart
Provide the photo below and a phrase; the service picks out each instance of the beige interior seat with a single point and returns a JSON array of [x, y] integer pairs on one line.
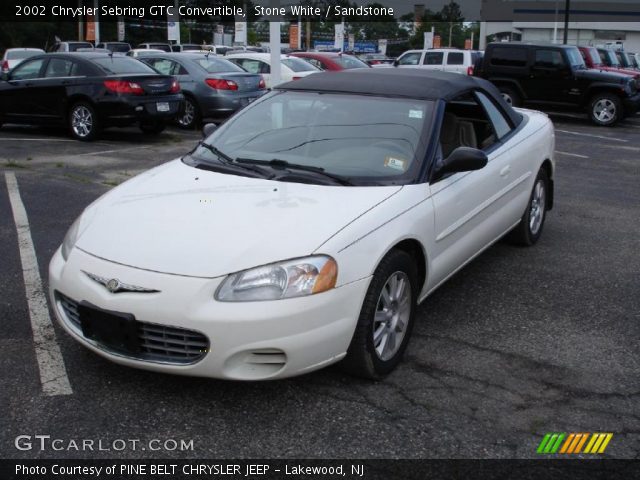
[[456, 133]]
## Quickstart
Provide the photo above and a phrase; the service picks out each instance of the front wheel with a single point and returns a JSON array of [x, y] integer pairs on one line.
[[83, 122], [386, 319], [605, 109], [529, 230]]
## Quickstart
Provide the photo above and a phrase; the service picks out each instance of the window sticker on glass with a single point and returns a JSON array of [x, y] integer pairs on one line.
[[415, 113], [395, 163]]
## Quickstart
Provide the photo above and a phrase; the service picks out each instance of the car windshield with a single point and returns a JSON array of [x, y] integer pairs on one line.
[[347, 62], [118, 47], [575, 59], [371, 139], [73, 46], [122, 65], [21, 54], [217, 65], [595, 56], [613, 60], [298, 65]]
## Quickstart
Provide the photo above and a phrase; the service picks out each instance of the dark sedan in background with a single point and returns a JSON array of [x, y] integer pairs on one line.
[[88, 92], [213, 87]]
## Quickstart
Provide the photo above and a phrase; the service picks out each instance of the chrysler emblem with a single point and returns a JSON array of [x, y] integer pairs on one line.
[[115, 286]]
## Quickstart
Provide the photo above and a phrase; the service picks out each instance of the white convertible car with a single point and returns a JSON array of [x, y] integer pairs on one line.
[[306, 229]]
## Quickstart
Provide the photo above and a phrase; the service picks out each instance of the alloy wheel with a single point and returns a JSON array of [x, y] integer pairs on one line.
[[604, 110], [537, 209], [392, 315], [82, 121]]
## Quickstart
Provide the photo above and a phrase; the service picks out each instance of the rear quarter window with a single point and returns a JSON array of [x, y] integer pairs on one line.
[[509, 57]]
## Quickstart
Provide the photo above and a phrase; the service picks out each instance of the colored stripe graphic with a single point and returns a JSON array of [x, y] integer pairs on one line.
[[572, 443]]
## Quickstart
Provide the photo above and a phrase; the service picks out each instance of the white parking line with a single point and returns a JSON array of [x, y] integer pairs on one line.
[[29, 139], [126, 149], [53, 374], [571, 154], [592, 136]]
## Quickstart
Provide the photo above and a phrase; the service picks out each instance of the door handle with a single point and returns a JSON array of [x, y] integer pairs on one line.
[[505, 171]]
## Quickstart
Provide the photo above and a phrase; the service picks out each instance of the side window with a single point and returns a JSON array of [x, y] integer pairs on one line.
[[412, 58], [58, 67], [509, 57], [501, 126], [455, 58], [163, 66], [27, 70], [80, 70], [179, 70], [433, 58], [316, 63], [471, 120], [548, 59]]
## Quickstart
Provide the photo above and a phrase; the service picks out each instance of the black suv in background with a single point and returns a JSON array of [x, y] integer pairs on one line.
[[555, 77]]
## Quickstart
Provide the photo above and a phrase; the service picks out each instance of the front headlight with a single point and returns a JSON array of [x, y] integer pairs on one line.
[[293, 278], [70, 239]]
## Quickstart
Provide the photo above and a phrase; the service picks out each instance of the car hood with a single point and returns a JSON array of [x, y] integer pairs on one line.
[[180, 220], [601, 75]]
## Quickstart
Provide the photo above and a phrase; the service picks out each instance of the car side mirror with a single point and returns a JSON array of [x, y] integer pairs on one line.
[[4, 76], [462, 159], [208, 129], [395, 63]]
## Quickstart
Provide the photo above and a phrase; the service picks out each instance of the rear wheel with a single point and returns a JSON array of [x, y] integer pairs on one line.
[[190, 116], [152, 127], [386, 319], [511, 96], [83, 122], [529, 230], [605, 109]]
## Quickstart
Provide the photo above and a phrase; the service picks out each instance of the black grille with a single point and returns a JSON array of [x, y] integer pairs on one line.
[[159, 343]]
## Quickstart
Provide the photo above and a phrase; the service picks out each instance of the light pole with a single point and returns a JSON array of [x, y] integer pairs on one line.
[[567, 6]]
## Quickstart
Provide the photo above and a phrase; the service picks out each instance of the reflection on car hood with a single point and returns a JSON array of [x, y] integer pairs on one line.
[[180, 220]]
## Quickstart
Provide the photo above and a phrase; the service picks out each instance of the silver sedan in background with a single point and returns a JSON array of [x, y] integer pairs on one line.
[[213, 87]]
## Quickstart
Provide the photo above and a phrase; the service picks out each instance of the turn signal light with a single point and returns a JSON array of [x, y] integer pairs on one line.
[[470, 70], [262, 85], [122, 86], [5, 66], [221, 84]]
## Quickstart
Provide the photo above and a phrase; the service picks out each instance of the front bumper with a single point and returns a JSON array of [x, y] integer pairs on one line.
[[248, 340]]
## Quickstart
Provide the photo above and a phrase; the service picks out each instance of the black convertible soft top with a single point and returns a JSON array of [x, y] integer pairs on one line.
[[416, 83]]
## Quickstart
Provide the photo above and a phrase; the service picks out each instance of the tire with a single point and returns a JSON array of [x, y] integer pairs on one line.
[[605, 109], [153, 127], [510, 96], [371, 358], [83, 122], [189, 119], [529, 230]]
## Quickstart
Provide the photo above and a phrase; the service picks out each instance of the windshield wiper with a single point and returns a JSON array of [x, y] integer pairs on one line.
[[227, 160], [278, 164], [215, 151]]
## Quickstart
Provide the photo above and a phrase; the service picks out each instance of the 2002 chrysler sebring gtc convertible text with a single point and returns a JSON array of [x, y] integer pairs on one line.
[[306, 229]]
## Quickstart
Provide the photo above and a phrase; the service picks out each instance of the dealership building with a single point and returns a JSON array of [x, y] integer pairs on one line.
[[591, 22]]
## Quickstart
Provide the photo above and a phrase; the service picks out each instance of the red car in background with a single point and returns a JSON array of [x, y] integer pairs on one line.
[[593, 58], [332, 61]]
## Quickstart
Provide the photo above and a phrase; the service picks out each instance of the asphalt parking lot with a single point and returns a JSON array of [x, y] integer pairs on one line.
[[521, 342]]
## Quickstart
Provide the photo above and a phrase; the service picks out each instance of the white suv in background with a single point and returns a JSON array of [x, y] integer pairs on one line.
[[13, 56], [444, 59]]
